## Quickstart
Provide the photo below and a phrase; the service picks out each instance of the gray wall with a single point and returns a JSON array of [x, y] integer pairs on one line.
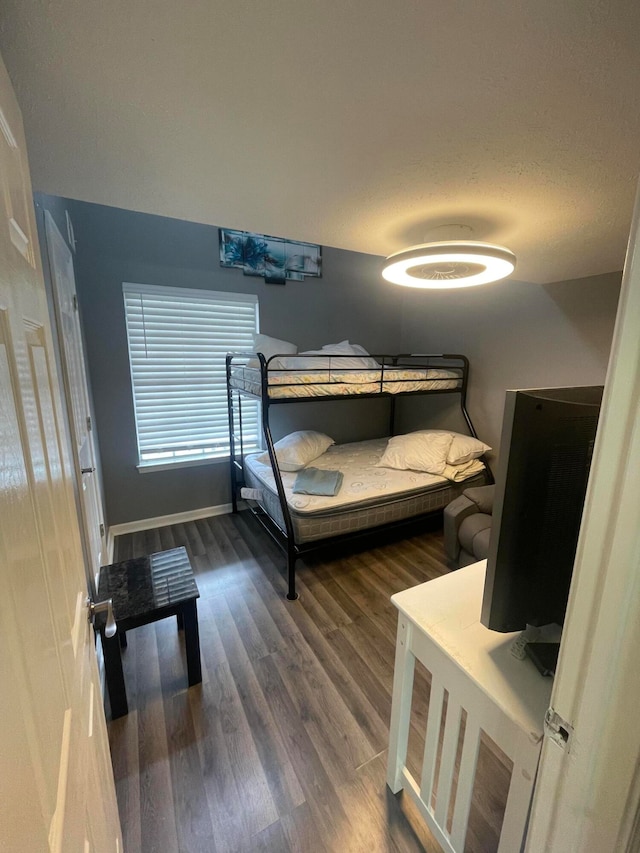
[[349, 301], [516, 335]]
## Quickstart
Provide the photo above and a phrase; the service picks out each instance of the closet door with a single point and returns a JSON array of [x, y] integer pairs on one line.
[[77, 393]]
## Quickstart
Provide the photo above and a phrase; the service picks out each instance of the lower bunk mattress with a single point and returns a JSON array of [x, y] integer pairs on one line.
[[369, 497]]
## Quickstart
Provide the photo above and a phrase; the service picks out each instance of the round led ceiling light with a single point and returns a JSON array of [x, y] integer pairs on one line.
[[448, 264]]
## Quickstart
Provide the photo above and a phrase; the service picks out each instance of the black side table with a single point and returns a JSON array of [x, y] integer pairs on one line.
[[144, 590]]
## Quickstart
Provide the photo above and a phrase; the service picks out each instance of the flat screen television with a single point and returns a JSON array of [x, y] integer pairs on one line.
[[545, 455]]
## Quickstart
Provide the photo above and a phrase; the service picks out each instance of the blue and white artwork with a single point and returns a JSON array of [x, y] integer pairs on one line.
[[255, 249], [274, 262], [231, 248], [272, 258]]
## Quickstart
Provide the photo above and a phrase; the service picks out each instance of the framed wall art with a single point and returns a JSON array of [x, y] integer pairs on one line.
[[272, 258]]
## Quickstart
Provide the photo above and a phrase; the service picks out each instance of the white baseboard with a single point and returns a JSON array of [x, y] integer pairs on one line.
[[163, 521]]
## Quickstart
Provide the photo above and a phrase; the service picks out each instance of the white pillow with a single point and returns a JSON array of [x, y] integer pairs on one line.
[[343, 349], [297, 449], [459, 473], [356, 349], [417, 451], [463, 448], [343, 346], [269, 347]]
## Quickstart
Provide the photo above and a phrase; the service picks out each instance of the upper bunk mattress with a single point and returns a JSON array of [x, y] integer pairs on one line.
[[369, 496], [333, 383]]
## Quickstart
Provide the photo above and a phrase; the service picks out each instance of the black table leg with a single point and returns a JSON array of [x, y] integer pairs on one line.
[[114, 676], [180, 618], [123, 638], [192, 642]]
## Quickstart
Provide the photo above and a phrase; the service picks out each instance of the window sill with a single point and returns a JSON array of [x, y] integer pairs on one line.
[[171, 465]]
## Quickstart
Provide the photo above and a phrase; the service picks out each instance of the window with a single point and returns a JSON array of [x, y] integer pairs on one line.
[[178, 340]]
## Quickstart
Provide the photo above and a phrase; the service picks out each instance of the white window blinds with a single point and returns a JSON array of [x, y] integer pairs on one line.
[[178, 340]]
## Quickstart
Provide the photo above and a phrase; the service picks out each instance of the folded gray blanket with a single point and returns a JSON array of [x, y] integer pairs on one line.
[[315, 481]]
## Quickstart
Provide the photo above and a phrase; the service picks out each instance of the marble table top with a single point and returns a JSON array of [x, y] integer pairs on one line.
[[145, 584]]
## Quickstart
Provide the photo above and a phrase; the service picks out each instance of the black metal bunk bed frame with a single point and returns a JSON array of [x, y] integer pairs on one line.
[[286, 538]]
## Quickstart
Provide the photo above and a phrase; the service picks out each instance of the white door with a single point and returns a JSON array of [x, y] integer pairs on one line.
[[56, 781], [587, 795], [77, 392]]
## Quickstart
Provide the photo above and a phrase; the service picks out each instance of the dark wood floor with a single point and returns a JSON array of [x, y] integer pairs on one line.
[[283, 745]]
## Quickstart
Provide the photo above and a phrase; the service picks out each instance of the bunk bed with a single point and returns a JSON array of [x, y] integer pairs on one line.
[[300, 525]]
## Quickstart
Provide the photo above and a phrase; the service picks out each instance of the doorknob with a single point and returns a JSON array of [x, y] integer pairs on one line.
[[105, 606], [87, 470]]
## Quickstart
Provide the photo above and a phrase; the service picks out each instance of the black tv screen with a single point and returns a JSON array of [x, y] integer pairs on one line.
[[545, 455]]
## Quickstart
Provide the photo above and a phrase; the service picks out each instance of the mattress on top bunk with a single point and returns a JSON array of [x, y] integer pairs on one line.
[[324, 383], [369, 497]]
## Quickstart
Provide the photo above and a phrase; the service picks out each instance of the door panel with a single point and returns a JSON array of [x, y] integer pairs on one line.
[[26, 587], [47, 463], [53, 733], [77, 391]]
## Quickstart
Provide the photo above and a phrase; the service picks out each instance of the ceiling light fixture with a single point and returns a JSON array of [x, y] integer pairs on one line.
[[452, 263]]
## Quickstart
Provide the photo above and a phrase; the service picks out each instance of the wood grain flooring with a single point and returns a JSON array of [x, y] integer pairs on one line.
[[283, 746]]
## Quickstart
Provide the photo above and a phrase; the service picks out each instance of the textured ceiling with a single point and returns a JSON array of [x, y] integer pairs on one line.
[[360, 124]]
